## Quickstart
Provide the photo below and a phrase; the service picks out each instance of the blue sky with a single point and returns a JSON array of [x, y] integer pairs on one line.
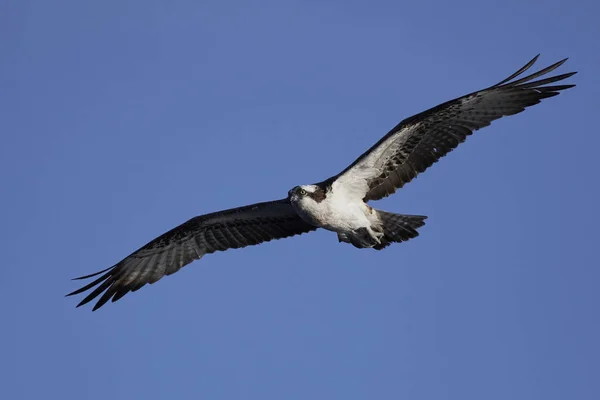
[[122, 119]]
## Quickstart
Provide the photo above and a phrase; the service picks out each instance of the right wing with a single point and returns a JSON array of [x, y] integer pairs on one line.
[[421, 140]]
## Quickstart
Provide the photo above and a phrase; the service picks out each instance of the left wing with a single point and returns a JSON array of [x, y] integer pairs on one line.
[[421, 140], [168, 253]]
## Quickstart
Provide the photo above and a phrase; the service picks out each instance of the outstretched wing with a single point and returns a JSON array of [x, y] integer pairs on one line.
[[421, 140], [229, 229]]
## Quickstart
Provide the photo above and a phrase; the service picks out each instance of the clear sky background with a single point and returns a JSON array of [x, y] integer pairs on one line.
[[122, 119]]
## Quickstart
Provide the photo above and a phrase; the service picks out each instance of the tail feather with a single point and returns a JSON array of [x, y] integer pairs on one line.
[[398, 227]]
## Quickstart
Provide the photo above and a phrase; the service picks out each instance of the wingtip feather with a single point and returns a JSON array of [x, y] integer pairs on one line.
[[519, 71], [92, 275]]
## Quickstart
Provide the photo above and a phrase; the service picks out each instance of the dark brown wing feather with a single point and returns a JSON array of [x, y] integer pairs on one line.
[[421, 140], [168, 253]]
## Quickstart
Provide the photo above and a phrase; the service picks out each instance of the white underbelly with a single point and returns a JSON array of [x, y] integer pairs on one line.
[[345, 218], [337, 214]]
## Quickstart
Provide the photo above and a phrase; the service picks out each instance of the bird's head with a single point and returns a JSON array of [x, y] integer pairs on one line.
[[302, 193]]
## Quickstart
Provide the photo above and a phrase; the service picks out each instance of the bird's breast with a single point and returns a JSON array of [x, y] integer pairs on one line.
[[314, 213], [335, 214]]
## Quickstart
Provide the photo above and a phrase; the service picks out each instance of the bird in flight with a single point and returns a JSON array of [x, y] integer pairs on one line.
[[338, 204]]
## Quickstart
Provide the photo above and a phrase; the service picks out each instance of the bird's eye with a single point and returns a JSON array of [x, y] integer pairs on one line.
[[302, 192]]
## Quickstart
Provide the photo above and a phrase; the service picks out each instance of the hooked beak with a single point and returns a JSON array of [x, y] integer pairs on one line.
[[292, 194]]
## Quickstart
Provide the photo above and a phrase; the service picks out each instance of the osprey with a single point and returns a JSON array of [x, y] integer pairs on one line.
[[338, 204]]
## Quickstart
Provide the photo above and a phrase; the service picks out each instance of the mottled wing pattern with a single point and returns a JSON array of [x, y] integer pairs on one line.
[[421, 140], [229, 229]]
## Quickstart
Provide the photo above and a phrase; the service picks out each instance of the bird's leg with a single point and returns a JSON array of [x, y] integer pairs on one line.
[[376, 235]]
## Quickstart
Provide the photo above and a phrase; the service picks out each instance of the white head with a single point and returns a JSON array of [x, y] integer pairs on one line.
[[302, 193]]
